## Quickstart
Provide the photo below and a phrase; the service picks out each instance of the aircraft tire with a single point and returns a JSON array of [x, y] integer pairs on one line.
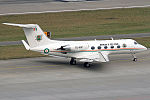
[[73, 62], [87, 65], [135, 59]]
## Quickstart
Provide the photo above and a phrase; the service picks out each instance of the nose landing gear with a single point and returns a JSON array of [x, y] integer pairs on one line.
[[134, 57]]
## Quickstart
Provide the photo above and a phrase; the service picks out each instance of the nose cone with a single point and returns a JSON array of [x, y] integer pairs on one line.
[[144, 48]]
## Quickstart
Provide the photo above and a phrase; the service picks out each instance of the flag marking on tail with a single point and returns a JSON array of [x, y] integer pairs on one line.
[[35, 29], [39, 37]]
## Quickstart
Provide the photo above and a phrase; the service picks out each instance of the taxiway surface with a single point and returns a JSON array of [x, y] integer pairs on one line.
[[101, 37], [31, 6], [48, 78]]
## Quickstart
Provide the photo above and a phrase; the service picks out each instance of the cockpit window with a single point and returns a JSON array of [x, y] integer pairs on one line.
[[135, 43]]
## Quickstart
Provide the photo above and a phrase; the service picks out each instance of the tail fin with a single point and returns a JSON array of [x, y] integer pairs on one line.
[[34, 34]]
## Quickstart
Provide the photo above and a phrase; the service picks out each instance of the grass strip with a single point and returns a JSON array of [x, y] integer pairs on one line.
[[144, 41], [81, 23], [16, 51]]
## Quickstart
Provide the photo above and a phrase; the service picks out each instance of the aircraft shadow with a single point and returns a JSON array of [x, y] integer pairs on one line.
[[94, 66]]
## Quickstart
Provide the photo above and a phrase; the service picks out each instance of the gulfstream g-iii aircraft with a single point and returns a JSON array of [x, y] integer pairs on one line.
[[84, 51]]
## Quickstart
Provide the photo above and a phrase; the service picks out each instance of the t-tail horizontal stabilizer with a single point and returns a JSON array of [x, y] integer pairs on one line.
[[21, 25], [26, 45]]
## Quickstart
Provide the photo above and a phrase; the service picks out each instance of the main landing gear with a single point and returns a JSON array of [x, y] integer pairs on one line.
[[73, 61], [86, 64], [134, 57]]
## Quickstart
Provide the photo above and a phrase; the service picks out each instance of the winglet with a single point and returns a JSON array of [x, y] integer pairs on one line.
[[26, 45]]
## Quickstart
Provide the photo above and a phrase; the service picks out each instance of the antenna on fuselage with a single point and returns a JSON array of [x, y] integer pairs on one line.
[[112, 38]]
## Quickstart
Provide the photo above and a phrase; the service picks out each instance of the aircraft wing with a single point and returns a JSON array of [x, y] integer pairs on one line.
[[93, 56]]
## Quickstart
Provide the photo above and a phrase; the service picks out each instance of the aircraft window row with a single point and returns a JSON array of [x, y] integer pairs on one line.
[[105, 47]]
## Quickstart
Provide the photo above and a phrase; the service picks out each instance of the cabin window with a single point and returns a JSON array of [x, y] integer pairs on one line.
[[112, 47], [99, 47], [92, 47], [105, 47], [118, 46]]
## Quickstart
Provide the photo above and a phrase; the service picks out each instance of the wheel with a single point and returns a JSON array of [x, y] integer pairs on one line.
[[135, 59], [87, 65], [72, 62]]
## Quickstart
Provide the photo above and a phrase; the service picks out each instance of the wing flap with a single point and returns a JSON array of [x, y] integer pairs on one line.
[[104, 56], [93, 56]]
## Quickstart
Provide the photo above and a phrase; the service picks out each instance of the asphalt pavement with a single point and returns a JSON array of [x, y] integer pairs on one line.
[[11, 7], [101, 37], [46, 78]]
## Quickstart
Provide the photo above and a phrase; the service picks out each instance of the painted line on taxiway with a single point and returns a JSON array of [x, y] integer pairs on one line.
[[55, 11]]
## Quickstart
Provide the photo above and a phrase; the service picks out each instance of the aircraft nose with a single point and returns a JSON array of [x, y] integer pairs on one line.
[[144, 48]]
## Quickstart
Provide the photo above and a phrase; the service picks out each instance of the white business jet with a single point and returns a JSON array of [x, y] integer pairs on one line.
[[84, 51]]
